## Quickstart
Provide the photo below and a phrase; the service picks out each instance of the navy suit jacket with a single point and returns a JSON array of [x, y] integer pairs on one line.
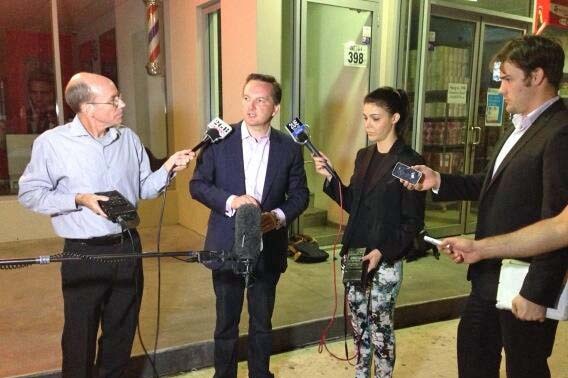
[[220, 173]]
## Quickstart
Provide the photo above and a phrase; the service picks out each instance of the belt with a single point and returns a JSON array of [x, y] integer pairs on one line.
[[107, 239]]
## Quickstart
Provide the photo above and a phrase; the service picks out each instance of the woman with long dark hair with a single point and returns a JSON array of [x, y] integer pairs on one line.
[[384, 219]]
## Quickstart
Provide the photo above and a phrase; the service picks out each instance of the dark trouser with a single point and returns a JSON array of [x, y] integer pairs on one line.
[[484, 330], [229, 291], [96, 292]]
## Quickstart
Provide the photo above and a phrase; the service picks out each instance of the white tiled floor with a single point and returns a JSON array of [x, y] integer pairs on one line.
[[426, 351]]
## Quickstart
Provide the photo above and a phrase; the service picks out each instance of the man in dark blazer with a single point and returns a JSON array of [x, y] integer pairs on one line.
[[257, 165], [526, 181]]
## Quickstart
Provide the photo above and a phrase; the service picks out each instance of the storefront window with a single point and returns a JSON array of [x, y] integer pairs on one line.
[[34, 71], [27, 85]]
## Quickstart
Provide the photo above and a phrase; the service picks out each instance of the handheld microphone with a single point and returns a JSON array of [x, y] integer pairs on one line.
[[299, 132], [217, 130], [248, 237]]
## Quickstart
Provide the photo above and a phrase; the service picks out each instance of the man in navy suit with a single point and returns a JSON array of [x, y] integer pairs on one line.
[[258, 165]]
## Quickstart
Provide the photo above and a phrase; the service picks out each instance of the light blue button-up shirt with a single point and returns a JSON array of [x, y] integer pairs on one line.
[[67, 160]]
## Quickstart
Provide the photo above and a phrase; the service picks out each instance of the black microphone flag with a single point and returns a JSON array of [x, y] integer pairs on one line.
[[217, 130], [299, 132]]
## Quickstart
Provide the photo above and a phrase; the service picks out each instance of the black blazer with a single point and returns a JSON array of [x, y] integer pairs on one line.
[[397, 213], [531, 184], [220, 173]]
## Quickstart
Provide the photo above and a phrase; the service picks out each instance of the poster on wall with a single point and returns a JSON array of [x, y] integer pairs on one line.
[[87, 56], [28, 88], [550, 13], [107, 46], [30, 80], [457, 93], [494, 110]]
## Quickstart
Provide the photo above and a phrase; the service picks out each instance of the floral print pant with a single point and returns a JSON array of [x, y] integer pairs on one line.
[[372, 318]]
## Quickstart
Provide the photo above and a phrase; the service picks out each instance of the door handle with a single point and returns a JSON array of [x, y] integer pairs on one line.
[[476, 135]]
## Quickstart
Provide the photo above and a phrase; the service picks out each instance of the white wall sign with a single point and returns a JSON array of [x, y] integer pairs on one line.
[[355, 55], [457, 93]]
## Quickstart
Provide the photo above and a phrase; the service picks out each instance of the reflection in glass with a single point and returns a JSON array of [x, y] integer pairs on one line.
[[27, 94], [491, 128], [90, 39], [447, 85]]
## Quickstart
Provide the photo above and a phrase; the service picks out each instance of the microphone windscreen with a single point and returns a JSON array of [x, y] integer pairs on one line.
[[297, 131], [221, 127], [213, 135], [302, 137], [248, 234]]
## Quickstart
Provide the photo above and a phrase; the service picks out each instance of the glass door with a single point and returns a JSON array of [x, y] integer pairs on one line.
[[463, 115], [338, 63], [491, 118], [450, 59]]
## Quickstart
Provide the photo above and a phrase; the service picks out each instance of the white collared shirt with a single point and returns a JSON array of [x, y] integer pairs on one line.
[[255, 163], [522, 124]]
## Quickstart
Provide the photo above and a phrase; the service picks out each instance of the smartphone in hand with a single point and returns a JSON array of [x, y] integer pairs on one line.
[[404, 172]]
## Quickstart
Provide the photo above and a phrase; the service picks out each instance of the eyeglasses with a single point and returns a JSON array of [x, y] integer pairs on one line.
[[116, 100]]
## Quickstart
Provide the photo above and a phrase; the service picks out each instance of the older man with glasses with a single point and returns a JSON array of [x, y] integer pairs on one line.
[[70, 164]]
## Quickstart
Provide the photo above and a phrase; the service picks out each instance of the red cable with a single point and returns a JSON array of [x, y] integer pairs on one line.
[[322, 343]]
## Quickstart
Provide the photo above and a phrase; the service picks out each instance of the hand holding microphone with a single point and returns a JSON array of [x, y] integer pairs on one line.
[[179, 160], [217, 130], [322, 163]]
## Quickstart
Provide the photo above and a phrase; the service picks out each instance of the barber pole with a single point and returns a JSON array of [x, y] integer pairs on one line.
[[153, 66]]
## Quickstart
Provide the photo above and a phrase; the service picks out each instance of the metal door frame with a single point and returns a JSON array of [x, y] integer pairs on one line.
[[300, 45], [480, 19], [470, 226]]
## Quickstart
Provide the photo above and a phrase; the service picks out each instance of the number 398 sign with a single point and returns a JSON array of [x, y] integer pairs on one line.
[[355, 55]]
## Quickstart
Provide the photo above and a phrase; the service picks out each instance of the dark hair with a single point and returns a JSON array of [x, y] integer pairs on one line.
[[393, 101], [41, 76], [77, 93], [530, 52], [276, 89]]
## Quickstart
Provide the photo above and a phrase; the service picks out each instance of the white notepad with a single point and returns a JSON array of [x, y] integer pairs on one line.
[[511, 279]]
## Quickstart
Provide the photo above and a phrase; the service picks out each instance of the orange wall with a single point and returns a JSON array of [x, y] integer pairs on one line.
[[239, 52], [185, 79]]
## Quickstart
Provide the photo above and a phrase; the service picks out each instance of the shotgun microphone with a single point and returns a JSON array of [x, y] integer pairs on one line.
[[299, 132], [248, 239]]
